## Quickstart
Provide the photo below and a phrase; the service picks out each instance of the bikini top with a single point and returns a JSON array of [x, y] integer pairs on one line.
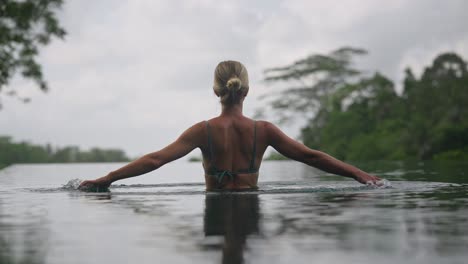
[[219, 174]]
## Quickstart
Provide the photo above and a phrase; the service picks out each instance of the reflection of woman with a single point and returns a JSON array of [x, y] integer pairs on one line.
[[232, 144], [233, 216]]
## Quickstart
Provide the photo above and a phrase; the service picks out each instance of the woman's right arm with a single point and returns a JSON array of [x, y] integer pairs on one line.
[[189, 140], [320, 160]]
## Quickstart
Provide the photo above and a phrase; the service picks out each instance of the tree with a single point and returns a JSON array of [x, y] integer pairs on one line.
[[437, 106], [25, 25], [25, 152], [357, 117], [358, 127], [316, 78]]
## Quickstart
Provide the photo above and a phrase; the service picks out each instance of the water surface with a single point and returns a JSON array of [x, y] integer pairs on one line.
[[299, 215]]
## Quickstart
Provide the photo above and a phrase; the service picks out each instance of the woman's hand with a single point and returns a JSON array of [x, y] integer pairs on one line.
[[368, 179], [97, 185]]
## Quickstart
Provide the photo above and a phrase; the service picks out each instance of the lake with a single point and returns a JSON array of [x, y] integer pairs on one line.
[[299, 215]]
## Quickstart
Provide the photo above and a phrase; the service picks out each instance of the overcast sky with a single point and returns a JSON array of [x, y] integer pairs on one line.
[[134, 74]]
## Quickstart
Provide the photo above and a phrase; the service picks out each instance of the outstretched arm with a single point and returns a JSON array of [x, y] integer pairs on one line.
[[297, 151], [188, 141]]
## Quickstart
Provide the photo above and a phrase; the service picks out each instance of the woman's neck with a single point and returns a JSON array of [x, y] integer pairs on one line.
[[232, 110]]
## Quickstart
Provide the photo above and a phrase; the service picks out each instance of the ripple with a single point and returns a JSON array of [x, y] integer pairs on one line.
[[274, 187]]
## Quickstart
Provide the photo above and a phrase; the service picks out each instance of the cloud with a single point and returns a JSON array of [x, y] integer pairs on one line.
[[390, 31], [135, 74]]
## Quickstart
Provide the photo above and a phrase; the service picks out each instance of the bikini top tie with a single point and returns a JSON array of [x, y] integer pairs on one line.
[[220, 174]]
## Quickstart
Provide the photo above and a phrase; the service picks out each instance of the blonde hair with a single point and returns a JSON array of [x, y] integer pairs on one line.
[[231, 82]]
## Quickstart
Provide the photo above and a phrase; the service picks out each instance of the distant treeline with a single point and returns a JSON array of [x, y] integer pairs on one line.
[[356, 116], [25, 152]]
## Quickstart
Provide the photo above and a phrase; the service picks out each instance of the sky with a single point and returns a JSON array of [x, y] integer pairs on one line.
[[135, 74]]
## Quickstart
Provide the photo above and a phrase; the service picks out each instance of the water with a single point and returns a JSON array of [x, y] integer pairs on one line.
[[299, 215]]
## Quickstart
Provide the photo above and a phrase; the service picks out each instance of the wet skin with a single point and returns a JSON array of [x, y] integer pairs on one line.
[[232, 135]]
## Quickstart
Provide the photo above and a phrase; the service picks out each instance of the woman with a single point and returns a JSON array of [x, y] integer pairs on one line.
[[232, 144]]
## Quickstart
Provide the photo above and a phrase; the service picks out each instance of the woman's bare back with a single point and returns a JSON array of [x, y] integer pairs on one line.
[[233, 151]]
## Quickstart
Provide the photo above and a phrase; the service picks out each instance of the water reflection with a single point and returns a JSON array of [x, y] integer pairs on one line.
[[26, 243], [233, 218], [428, 171], [396, 222]]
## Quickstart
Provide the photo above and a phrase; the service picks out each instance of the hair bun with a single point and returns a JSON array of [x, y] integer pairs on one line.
[[234, 83], [231, 82]]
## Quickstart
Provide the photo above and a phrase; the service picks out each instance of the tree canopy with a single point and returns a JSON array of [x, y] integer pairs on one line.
[[25, 25], [314, 79], [25, 152], [361, 117]]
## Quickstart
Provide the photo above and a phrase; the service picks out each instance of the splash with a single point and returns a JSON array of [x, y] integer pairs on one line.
[[197, 188], [382, 184], [72, 184]]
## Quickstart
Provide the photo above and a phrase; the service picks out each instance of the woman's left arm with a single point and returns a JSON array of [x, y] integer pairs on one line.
[[189, 140]]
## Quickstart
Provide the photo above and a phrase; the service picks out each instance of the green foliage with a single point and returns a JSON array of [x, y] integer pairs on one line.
[[24, 27], [457, 154], [315, 78], [365, 119], [24, 152], [195, 159]]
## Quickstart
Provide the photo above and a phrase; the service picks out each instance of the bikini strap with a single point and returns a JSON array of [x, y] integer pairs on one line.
[[254, 150], [210, 144]]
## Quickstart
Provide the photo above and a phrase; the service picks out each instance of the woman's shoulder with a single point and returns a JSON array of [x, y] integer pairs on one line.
[[218, 121], [197, 129], [265, 124]]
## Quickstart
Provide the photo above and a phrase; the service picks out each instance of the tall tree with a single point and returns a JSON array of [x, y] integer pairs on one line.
[[311, 81], [358, 117], [361, 111], [437, 106], [25, 25]]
